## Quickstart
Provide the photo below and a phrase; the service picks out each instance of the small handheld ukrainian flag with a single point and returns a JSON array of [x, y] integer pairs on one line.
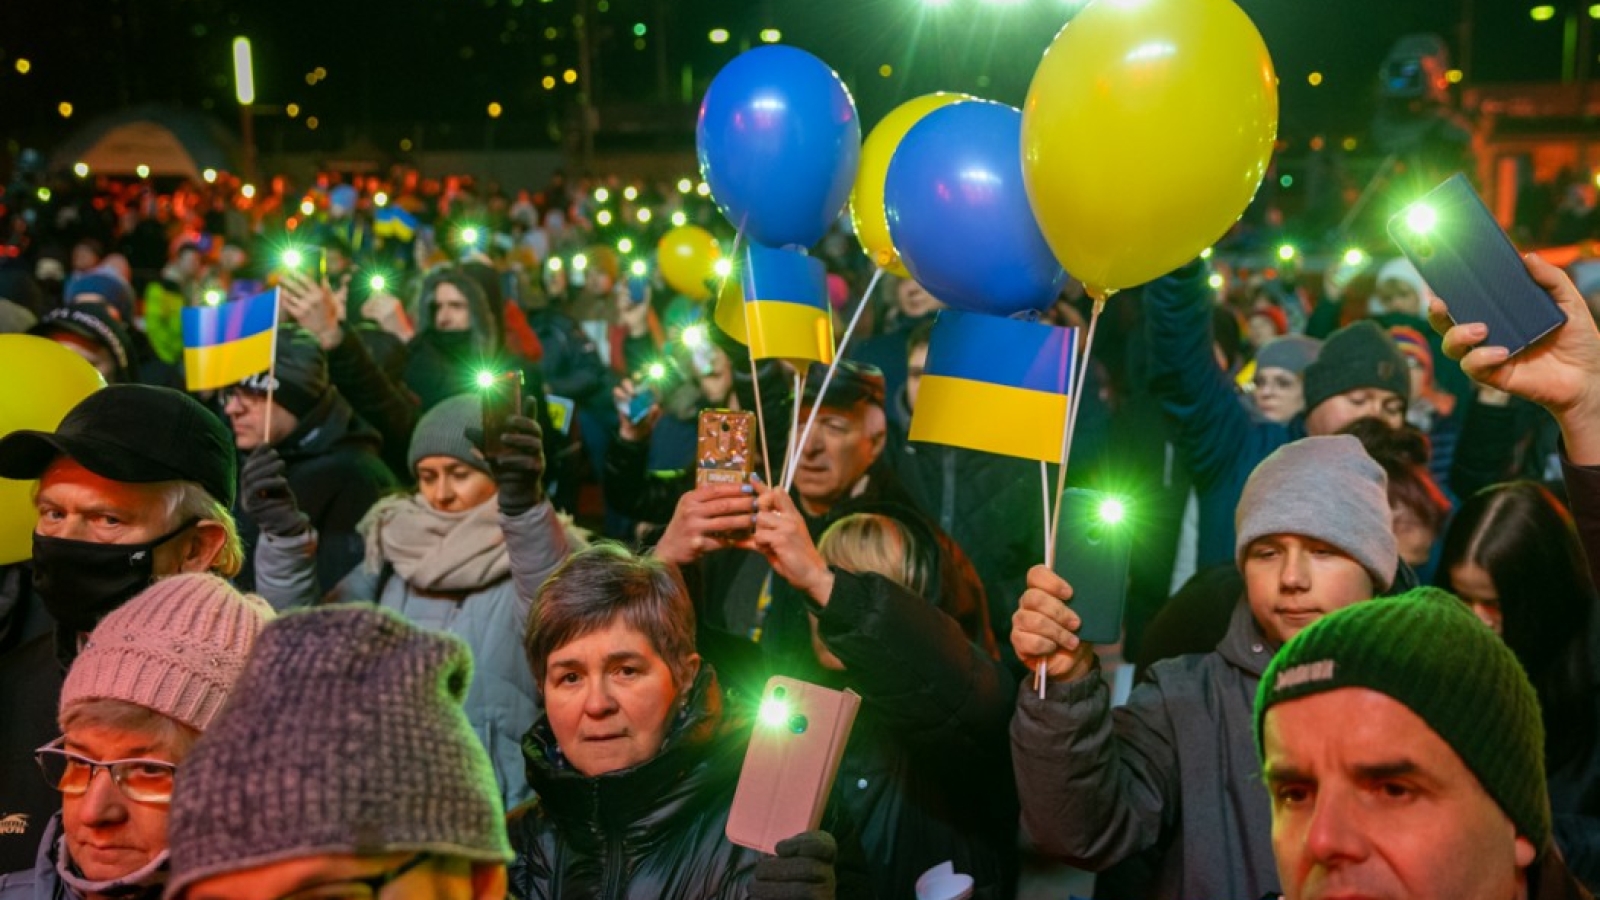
[[223, 345], [784, 314], [394, 222], [998, 385]]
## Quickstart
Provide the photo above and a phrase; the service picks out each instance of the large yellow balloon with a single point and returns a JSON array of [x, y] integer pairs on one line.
[[40, 380], [1147, 129], [866, 198], [687, 254]]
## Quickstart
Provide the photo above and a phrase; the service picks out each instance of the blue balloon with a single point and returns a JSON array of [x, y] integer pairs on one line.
[[779, 141], [960, 217]]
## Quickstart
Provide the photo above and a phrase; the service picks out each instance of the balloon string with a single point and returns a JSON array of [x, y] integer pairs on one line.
[[866, 297], [1080, 378], [755, 377]]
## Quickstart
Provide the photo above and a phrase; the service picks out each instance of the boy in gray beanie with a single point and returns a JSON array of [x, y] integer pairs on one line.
[[150, 679], [345, 759], [1175, 770]]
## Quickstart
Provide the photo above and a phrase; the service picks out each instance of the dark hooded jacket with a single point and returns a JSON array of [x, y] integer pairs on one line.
[[655, 830], [336, 473], [30, 687]]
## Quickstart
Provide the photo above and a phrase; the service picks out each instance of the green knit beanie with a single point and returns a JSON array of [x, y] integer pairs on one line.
[[1426, 650]]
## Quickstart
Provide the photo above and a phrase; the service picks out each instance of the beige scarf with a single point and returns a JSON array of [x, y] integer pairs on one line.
[[433, 550]]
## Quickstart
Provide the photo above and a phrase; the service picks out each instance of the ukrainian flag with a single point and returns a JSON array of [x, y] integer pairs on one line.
[[784, 313], [226, 344], [394, 222], [998, 385]]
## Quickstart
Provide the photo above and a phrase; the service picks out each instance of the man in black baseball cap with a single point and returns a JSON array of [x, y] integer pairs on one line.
[[134, 484]]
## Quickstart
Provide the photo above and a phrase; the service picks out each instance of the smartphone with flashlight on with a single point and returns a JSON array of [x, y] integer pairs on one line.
[[1465, 258], [791, 762], [638, 282], [502, 399], [1093, 553]]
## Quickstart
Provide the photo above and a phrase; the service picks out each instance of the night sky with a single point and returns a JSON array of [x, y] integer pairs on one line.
[[428, 69]]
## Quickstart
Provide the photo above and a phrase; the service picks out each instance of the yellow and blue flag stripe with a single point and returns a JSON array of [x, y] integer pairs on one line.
[[997, 385], [784, 314], [394, 222], [223, 345]]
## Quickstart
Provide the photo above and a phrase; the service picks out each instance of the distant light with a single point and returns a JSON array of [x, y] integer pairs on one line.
[[1315, 78], [885, 70], [685, 185], [292, 110], [312, 122], [24, 67], [494, 110], [579, 262], [405, 145], [703, 189], [486, 379], [209, 175], [380, 199], [771, 35], [601, 195], [570, 76], [244, 76], [1542, 13], [65, 109], [1112, 512], [43, 194], [142, 171], [603, 217], [1354, 257], [320, 72], [1594, 11], [1286, 181], [293, 258], [1421, 218], [1216, 281], [722, 268], [625, 245], [247, 191], [470, 235], [638, 268], [696, 336], [639, 30], [630, 193], [554, 264], [549, 82], [213, 297], [774, 713], [378, 282], [1206, 253], [719, 35], [81, 170], [1349, 144], [656, 371], [643, 215], [679, 219], [1286, 252], [1454, 76], [307, 208]]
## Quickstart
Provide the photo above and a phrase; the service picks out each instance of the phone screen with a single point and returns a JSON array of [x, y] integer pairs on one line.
[[502, 399]]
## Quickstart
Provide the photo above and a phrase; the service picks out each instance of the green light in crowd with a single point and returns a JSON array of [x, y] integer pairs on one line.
[[469, 235], [1286, 252], [579, 262], [722, 267], [695, 336], [1112, 512], [638, 269], [485, 379], [213, 297], [774, 713], [1421, 218], [625, 245], [293, 258], [378, 282]]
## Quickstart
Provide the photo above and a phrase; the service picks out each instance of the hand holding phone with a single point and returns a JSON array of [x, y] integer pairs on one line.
[[1465, 258], [791, 762]]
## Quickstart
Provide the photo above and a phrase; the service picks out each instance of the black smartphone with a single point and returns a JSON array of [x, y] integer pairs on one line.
[[1454, 241], [502, 399], [1093, 550]]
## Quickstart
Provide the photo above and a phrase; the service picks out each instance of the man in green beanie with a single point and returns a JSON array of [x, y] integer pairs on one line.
[[1404, 754]]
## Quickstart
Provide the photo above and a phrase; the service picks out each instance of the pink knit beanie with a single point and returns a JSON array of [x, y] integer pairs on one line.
[[176, 649]]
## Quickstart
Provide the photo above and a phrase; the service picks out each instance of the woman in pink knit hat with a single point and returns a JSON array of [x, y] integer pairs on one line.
[[150, 678]]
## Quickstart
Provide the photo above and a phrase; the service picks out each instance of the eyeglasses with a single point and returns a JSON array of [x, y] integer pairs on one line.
[[244, 395], [144, 780], [356, 888]]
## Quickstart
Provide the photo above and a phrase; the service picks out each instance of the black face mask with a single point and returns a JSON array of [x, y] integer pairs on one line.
[[81, 581]]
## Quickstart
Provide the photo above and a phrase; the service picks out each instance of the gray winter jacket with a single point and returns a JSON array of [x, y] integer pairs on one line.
[[1175, 769], [44, 882], [502, 702]]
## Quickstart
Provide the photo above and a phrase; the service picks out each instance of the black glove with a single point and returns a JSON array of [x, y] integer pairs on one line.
[[519, 466], [265, 494], [802, 870]]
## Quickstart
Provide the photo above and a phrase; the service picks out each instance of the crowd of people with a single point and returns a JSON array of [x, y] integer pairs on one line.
[[327, 638]]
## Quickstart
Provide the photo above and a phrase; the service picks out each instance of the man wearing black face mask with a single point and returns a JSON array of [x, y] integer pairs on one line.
[[134, 484]]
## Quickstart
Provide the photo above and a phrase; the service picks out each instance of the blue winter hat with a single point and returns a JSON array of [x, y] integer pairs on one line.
[[108, 286]]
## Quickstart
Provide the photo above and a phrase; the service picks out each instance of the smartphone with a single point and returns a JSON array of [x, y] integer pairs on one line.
[[791, 762], [640, 404], [502, 399], [725, 452], [1093, 553], [1465, 258]]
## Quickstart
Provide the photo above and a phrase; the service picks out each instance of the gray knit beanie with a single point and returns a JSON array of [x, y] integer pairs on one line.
[[1292, 352], [1326, 488], [443, 432], [346, 735], [176, 648], [1359, 355]]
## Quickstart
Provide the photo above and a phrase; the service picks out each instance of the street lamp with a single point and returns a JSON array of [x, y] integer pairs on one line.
[[244, 82]]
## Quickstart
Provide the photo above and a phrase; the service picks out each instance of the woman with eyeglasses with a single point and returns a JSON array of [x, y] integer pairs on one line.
[[145, 686]]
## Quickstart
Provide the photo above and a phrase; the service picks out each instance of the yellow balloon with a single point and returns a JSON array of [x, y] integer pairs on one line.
[[687, 254], [866, 198], [729, 311], [40, 380], [1147, 129]]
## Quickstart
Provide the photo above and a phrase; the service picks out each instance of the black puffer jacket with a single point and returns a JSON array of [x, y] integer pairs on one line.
[[651, 831]]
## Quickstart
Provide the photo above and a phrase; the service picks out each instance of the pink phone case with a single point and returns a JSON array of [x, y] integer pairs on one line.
[[791, 762]]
